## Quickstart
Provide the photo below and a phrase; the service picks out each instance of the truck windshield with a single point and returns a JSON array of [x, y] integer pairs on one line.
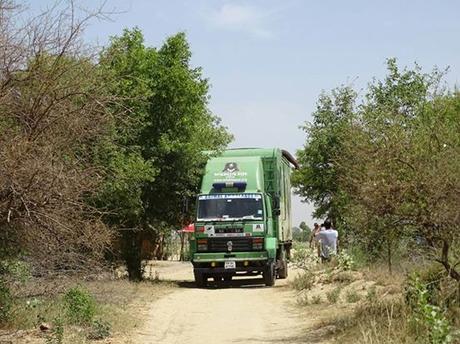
[[230, 206]]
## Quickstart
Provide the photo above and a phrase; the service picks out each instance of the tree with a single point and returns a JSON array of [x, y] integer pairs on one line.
[[301, 233], [317, 178], [388, 166], [52, 112], [163, 127], [303, 226], [400, 165]]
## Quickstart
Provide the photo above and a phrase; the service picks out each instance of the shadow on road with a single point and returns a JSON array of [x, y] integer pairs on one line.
[[246, 283]]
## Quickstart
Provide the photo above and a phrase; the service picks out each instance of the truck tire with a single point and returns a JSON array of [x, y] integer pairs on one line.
[[283, 269], [282, 264], [200, 279], [269, 274]]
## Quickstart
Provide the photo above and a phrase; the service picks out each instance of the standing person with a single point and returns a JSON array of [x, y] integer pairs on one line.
[[328, 240], [314, 232]]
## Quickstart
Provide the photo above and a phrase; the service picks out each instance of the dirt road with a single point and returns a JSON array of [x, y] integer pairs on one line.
[[244, 312]]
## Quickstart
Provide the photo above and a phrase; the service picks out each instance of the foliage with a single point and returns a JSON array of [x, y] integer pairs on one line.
[[99, 330], [317, 178], [162, 126], [345, 261], [386, 166], [304, 257], [11, 273], [304, 280], [333, 295], [57, 332], [371, 295], [52, 108], [300, 235], [80, 306], [316, 300], [352, 296], [426, 317], [6, 301]]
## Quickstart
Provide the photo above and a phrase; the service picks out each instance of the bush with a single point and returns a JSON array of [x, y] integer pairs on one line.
[[371, 295], [333, 295], [57, 332], [303, 300], [304, 257], [352, 296], [99, 330], [10, 271], [316, 300], [80, 306], [6, 302], [304, 281], [426, 318], [345, 261]]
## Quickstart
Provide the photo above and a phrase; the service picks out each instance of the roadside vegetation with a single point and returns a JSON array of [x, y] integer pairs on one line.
[[101, 150], [363, 304], [384, 165]]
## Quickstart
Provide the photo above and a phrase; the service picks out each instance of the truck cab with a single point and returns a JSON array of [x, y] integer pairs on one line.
[[243, 224]]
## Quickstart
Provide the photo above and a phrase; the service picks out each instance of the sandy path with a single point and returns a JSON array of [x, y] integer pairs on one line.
[[242, 313]]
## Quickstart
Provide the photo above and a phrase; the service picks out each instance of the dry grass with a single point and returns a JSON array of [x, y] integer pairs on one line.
[[121, 303], [357, 307]]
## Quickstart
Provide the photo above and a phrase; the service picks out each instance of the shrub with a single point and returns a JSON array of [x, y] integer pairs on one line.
[[371, 295], [99, 330], [427, 318], [333, 295], [57, 332], [304, 257], [6, 302], [304, 281], [345, 261], [316, 300], [303, 300], [80, 306], [352, 296]]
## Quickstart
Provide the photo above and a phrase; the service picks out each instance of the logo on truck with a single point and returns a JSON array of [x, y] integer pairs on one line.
[[231, 167]]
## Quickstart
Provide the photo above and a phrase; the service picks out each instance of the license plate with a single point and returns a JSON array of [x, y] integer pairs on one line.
[[230, 264]]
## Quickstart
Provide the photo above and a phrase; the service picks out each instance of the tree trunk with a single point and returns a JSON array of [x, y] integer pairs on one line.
[[132, 244]]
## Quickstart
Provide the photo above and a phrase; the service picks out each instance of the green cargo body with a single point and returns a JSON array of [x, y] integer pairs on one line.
[[243, 224]]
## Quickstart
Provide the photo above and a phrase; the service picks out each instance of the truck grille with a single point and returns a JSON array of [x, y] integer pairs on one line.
[[222, 245]]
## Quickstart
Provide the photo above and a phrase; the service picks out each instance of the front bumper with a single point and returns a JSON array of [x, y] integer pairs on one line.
[[222, 257]]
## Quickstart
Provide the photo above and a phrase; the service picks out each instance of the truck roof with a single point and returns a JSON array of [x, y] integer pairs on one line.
[[261, 152], [254, 167]]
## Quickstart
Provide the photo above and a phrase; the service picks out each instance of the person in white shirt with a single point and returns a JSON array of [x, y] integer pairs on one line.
[[328, 240]]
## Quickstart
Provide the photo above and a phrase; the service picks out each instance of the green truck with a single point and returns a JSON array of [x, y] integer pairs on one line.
[[243, 223]]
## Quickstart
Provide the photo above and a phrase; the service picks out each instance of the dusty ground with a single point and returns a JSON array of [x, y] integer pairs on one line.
[[244, 312]]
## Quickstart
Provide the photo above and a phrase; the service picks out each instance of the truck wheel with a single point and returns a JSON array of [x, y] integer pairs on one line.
[[200, 279], [269, 274], [283, 269]]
